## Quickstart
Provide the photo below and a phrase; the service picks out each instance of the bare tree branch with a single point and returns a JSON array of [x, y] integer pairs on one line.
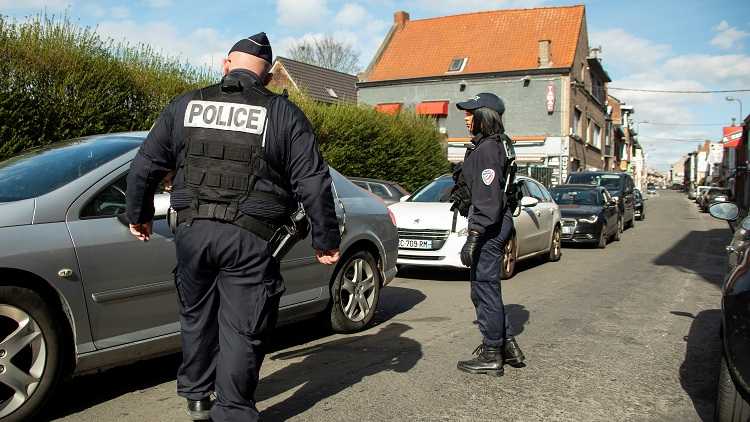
[[326, 52]]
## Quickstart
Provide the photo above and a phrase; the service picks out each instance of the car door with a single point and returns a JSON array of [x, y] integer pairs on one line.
[[528, 224], [544, 212], [129, 284], [629, 199]]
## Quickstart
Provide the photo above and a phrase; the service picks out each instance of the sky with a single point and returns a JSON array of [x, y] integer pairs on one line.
[[662, 45]]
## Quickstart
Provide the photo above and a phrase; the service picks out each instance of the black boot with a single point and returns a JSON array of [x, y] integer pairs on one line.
[[489, 361], [199, 410], [512, 354]]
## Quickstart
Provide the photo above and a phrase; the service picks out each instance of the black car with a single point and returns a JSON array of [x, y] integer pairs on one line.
[[588, 214], [640, 209], [619, 185], [389, 192], [733, 397]]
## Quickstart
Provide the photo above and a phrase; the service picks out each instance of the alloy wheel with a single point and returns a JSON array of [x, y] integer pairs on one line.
[[556, 245], [509, 258], [23, 357], [357, 289]]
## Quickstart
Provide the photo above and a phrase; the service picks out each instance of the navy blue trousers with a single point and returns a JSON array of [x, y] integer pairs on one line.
[[229, 289], [486, 292]]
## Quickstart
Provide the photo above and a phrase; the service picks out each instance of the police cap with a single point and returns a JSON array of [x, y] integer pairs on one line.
[[256, 45], [484, 99]]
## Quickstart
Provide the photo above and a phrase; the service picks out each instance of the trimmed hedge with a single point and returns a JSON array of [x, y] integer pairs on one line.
[[60, 81]]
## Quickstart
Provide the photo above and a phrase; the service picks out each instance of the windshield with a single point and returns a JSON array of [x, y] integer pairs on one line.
[[43, 170], [572, 196], [438, 190], [714, 192], [609, 181]]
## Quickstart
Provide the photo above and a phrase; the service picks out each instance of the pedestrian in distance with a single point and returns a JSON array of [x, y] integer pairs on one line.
[[485, 192], [244, 159]]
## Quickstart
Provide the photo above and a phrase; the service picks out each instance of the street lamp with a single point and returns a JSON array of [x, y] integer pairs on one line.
[[738, 100]]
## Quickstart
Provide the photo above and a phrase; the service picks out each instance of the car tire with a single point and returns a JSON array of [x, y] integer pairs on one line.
[[510, 257], [355, 293], [555, 248], [618, 233], [730, 406], [603, 237], [38, 356]]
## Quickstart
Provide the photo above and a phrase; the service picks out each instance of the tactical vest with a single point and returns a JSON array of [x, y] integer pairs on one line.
[[225, 133], [460, 194]]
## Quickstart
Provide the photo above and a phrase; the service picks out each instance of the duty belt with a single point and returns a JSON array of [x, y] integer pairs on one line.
[[263, 229]]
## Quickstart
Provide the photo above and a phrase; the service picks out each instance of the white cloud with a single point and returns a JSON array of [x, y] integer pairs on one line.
[[730, 70], [623, 49], [120, 12], [301, 14], [202, 46], [351, 14], [728, 36], [34, 4]]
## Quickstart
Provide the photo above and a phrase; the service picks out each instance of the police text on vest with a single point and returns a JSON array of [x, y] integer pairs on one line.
[[226, 116]]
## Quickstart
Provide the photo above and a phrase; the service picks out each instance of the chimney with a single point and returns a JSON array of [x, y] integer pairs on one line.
[[400, 18], [545, 58]]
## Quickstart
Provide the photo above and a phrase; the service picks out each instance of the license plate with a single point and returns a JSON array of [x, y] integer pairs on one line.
[[567, 229], [414, 244]]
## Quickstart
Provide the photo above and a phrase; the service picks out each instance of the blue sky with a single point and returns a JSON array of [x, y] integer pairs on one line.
[[677, 45]]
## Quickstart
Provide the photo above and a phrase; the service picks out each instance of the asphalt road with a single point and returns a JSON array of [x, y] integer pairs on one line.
[[628, 333]]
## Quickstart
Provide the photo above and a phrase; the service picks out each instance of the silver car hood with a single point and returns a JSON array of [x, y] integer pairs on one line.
[[17, 213]]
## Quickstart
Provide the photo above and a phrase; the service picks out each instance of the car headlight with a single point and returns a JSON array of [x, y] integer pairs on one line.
[[590, 220], [463, 232]]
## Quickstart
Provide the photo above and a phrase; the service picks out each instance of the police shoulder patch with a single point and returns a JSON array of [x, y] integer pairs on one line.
[[488, 175]]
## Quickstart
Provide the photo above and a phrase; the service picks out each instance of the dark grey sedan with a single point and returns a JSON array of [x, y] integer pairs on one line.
[[79, 293]]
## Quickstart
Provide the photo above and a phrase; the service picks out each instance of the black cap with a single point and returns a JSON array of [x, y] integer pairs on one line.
[[484, 99], [256, 45]]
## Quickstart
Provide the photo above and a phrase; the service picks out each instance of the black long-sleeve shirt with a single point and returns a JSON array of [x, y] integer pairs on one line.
[[484, 170], [290, 148]]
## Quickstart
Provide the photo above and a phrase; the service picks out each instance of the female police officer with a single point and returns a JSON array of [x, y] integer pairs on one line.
[[488, 173]]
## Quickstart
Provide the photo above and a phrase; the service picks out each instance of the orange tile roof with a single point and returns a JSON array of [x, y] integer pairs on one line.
[[494, 41]]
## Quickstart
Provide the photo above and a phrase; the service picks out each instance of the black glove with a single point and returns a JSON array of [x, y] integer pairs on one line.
[[470, 249]]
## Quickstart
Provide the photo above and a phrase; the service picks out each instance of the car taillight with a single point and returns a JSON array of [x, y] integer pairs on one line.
[[393, 217]]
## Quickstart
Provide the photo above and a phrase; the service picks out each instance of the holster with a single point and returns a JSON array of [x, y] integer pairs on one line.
[[288, 234]]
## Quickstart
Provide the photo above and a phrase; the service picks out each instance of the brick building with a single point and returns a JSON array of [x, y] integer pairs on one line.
[[537, 60]]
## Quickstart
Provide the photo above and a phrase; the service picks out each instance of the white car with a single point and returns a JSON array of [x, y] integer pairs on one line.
[[430, 234]]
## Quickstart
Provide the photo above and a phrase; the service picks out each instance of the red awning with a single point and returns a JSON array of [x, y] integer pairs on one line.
[[391, 108], [433, 108], [733, 144]]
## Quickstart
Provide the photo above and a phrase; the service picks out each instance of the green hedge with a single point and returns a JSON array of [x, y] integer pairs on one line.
[[60, 81]]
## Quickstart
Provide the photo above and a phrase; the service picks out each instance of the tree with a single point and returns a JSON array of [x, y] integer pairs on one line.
[[326, 52]]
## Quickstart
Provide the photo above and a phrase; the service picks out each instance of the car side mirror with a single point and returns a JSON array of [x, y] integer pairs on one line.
[[528, 202], [404, 198], [724, 211]]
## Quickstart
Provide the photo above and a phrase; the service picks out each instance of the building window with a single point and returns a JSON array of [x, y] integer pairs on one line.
[[586, 128], [577, 122], [597, 136], [457, 65]]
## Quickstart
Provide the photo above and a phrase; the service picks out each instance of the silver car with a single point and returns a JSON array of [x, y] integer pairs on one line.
[[79, 293]]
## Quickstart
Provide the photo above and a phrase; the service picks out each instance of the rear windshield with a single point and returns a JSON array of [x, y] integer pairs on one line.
[[438, 190], [609, 181], [42, 170], [571, 196], [345, 188]]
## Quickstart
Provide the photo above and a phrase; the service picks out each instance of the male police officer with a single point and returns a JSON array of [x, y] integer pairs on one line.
[[484, 191], [243, 158]]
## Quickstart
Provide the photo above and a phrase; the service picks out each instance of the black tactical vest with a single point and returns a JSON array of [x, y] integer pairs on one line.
[[225, 128]]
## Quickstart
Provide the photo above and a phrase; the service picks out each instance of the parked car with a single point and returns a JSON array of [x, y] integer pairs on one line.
[[588, 213], [651, 189], [389, 192], [80, 293], [619, 185], [430, 234], [640, 208], [733, 395], [712, 195]]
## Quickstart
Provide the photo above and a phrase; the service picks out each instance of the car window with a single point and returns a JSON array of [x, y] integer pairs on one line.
[[345, 188], [545, 193], [438, 190], [109, 202], [576, 196], [361, 184], [42, 170], [534, 190], [612, 182], [380, 190]]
